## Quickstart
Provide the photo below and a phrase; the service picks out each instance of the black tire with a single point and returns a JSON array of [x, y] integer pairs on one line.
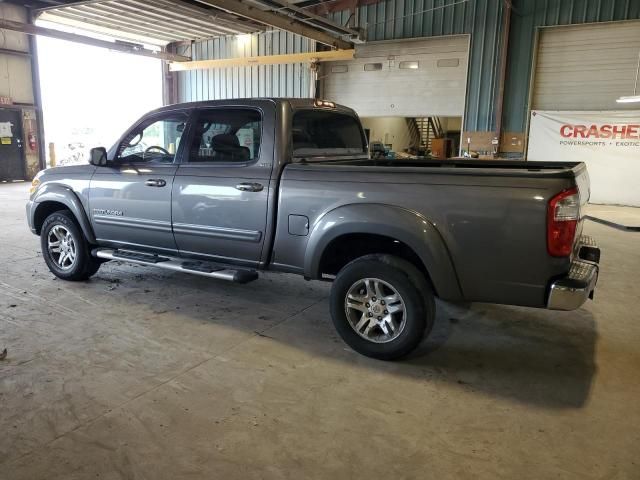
[[414, 291], [94, 265], [84, 265]]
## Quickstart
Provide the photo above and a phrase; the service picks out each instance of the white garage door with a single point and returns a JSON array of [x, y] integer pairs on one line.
[[586, 67], [580, 72], [416, 78]]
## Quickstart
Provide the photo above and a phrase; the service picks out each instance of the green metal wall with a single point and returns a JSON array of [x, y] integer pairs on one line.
[[391, 19], [484, 68], [526, 17], [396, 19]]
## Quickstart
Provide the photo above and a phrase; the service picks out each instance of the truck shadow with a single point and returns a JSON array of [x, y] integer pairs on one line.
[[532, 356]]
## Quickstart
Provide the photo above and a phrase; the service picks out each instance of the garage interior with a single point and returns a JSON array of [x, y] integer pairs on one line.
[[144, 373]]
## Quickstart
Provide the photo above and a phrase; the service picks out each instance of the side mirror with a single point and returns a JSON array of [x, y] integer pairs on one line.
[[98, 156]]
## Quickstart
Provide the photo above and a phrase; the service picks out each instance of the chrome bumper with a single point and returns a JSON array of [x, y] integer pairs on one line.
[[570, 292]]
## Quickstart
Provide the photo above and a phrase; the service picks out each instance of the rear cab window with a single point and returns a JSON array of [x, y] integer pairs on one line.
[[226, 135], [326, 133]]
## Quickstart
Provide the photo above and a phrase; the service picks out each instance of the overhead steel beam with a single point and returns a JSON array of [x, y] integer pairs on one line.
[[218, 17], [191, 12], [308, 16], [277, 20], [30, 29], [158, 15], [54, 5], [78, 19], [311, 57], [166, 28], [137, 38]]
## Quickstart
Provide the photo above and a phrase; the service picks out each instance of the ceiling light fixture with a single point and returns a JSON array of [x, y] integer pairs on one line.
[[630, 99]]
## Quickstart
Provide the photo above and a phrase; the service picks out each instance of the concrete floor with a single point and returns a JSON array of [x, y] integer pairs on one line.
[[622, 216], [143, 374]]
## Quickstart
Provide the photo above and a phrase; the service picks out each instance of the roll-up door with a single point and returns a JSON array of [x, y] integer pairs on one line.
[[416, 78], [586, 67]]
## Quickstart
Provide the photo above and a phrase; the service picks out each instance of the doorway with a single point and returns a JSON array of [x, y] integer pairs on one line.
[[432, 137], [11, 149], [88, 108]]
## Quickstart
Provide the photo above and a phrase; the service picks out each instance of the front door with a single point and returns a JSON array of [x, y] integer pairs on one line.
[[11, 149], [221, 188], [130, 199]]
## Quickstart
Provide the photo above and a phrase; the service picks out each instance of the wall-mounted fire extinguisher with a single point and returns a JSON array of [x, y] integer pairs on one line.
[[33, 144]]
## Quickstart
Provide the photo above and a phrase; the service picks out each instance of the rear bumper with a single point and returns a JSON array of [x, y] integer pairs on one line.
[[571, 291]]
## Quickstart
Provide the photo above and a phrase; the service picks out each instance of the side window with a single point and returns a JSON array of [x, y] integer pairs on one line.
[[226, 135], [156, 141], [325, 132]]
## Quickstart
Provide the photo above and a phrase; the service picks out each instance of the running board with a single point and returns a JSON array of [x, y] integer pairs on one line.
[[196, 267]]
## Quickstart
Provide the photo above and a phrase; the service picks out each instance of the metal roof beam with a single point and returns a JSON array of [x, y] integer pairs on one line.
[[162, 9], [223, 21], [161, 14], [242, 25], [63, 4], [31, 29], [277, 20], [116, 34], [101, 13], [307, 16], [88, 19]]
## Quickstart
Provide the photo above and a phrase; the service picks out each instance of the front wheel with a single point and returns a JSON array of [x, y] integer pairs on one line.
[[65, 249], [381, 306]]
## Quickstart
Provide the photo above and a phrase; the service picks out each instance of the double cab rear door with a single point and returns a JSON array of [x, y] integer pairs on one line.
[[191, 181]]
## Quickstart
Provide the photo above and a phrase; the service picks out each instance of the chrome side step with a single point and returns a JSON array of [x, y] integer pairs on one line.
[[196, 267]]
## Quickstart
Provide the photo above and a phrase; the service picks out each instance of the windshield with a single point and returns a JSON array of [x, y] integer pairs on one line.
[[326, 133]]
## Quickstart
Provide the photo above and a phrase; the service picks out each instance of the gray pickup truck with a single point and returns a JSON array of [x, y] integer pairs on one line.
[[227, 188]]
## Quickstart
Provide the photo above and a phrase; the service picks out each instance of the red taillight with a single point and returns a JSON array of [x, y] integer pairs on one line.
[[562, 220]]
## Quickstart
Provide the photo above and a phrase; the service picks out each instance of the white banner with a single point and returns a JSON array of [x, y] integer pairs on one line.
[[607, 141]]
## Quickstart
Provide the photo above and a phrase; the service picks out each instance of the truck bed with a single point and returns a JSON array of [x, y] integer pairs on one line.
[[491, 215]]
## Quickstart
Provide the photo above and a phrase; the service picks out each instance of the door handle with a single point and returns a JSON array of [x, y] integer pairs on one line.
[[155, 182], [250, 187]]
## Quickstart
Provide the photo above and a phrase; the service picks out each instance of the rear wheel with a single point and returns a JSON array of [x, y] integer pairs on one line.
[[65, 248], [381, 306]]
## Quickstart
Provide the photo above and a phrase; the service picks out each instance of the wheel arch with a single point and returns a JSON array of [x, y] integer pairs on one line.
[[53, 198], [362, 229]]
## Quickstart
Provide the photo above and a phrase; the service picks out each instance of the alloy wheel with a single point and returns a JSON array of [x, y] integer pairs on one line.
[[62, 247], [375, 310]]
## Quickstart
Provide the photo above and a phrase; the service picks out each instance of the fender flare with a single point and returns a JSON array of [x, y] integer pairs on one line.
[[404, 225], [52, 192]]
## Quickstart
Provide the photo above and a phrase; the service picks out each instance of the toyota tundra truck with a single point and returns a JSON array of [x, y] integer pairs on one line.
[[227, 189]]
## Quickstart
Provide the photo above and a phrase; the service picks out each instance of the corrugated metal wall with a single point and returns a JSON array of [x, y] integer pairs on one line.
[[484, 65], [394, 19], [293, 80], [530, 14]]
